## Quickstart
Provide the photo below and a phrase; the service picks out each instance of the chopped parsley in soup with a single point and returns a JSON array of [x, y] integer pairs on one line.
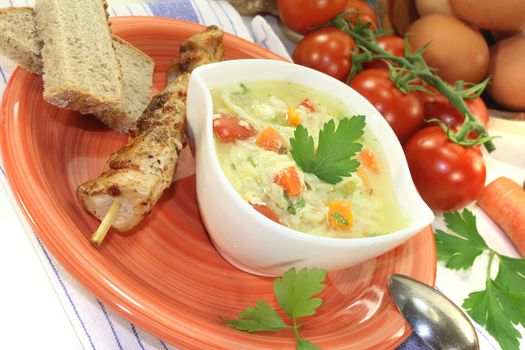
[[302, 159]]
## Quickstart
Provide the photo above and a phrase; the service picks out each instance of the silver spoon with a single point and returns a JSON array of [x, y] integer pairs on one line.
[[434, 318]]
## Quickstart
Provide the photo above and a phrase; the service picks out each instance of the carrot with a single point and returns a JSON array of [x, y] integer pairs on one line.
[[271, 140], [504, 201], [266, 211], [293, 117], [340, 214], [289, 180], [368, 159]]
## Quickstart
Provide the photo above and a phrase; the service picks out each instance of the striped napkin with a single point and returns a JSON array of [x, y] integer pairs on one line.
[[97, 326]]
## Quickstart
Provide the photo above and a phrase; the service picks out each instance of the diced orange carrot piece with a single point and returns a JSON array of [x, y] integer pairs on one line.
[[368, 159], [308, 105], [293, 117], [504, 201], [340, 214], [271, 140], [266, 211], [289, 180]]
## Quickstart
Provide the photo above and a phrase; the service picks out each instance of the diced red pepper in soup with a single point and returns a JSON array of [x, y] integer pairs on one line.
[[229, 128], [308, 105], [266, 211]]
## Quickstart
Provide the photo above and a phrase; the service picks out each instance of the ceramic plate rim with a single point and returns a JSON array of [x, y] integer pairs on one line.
[[100, 279]]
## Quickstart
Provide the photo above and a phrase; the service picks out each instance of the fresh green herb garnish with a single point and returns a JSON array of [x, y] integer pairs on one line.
[[295, 294], [294, 205], [244, 88], [336, 147], [339, 218], [499, 307], [233, 166], [251, 161]]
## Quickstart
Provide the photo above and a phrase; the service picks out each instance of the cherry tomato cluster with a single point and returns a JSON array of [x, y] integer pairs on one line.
[[448, 176]]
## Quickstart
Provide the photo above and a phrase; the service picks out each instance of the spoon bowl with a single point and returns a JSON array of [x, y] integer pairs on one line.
[[434, 317]]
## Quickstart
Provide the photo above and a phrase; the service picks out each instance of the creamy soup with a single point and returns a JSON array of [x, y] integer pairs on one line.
[[253, 125]]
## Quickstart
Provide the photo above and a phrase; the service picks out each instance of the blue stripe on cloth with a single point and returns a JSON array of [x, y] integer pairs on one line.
[[180, 9], [113, 11], [265, 44], [3, 172], [228, 16], [215, 13], [137, 336], [65, 290], [129, 10], [3, 75], [146, 8], [163, 344], [199, 13], [413, 342], [110, 324]]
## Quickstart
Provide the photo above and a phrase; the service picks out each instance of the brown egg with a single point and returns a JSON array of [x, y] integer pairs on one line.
[[507, 68], [430, 7], [491, 14], [456, 50]]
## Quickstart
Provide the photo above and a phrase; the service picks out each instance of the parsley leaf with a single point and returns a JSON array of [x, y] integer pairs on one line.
[[336, 146], [511, 273], [303, 344], [259, 318], [339, 218], [497, 309], [459, 251], [294, 291], [294, 205]]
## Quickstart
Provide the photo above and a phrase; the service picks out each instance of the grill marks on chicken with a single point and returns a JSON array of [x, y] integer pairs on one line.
[[135, 177]]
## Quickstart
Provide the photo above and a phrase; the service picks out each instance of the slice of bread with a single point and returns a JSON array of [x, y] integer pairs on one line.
[[136, 66], [18, 39], [81, 69], [137, 76]]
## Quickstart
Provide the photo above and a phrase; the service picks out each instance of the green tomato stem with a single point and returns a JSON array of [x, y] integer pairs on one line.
[[454, 97]]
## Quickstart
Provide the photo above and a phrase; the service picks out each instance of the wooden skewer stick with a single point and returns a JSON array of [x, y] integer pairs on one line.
[[99, 235]]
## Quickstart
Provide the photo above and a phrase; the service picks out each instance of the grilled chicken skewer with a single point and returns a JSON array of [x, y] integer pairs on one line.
[[135, 177]]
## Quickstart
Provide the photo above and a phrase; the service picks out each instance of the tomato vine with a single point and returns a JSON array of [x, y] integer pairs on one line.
[[407, 73]]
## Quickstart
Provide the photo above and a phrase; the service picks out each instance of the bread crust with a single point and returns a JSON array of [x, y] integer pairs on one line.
[[70, 70]]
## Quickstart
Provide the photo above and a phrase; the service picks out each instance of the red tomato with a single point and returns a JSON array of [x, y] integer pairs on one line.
[[328, 50], [264, 210], [301, 15], [362, 9], [391, 43], [449, 115], [229, 129], [404, 112], [447, 176]]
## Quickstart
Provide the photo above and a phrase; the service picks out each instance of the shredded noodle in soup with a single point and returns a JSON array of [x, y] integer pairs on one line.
[[253, 125]]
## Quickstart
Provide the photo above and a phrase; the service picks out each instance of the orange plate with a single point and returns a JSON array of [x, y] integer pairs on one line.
[[165, 276]]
